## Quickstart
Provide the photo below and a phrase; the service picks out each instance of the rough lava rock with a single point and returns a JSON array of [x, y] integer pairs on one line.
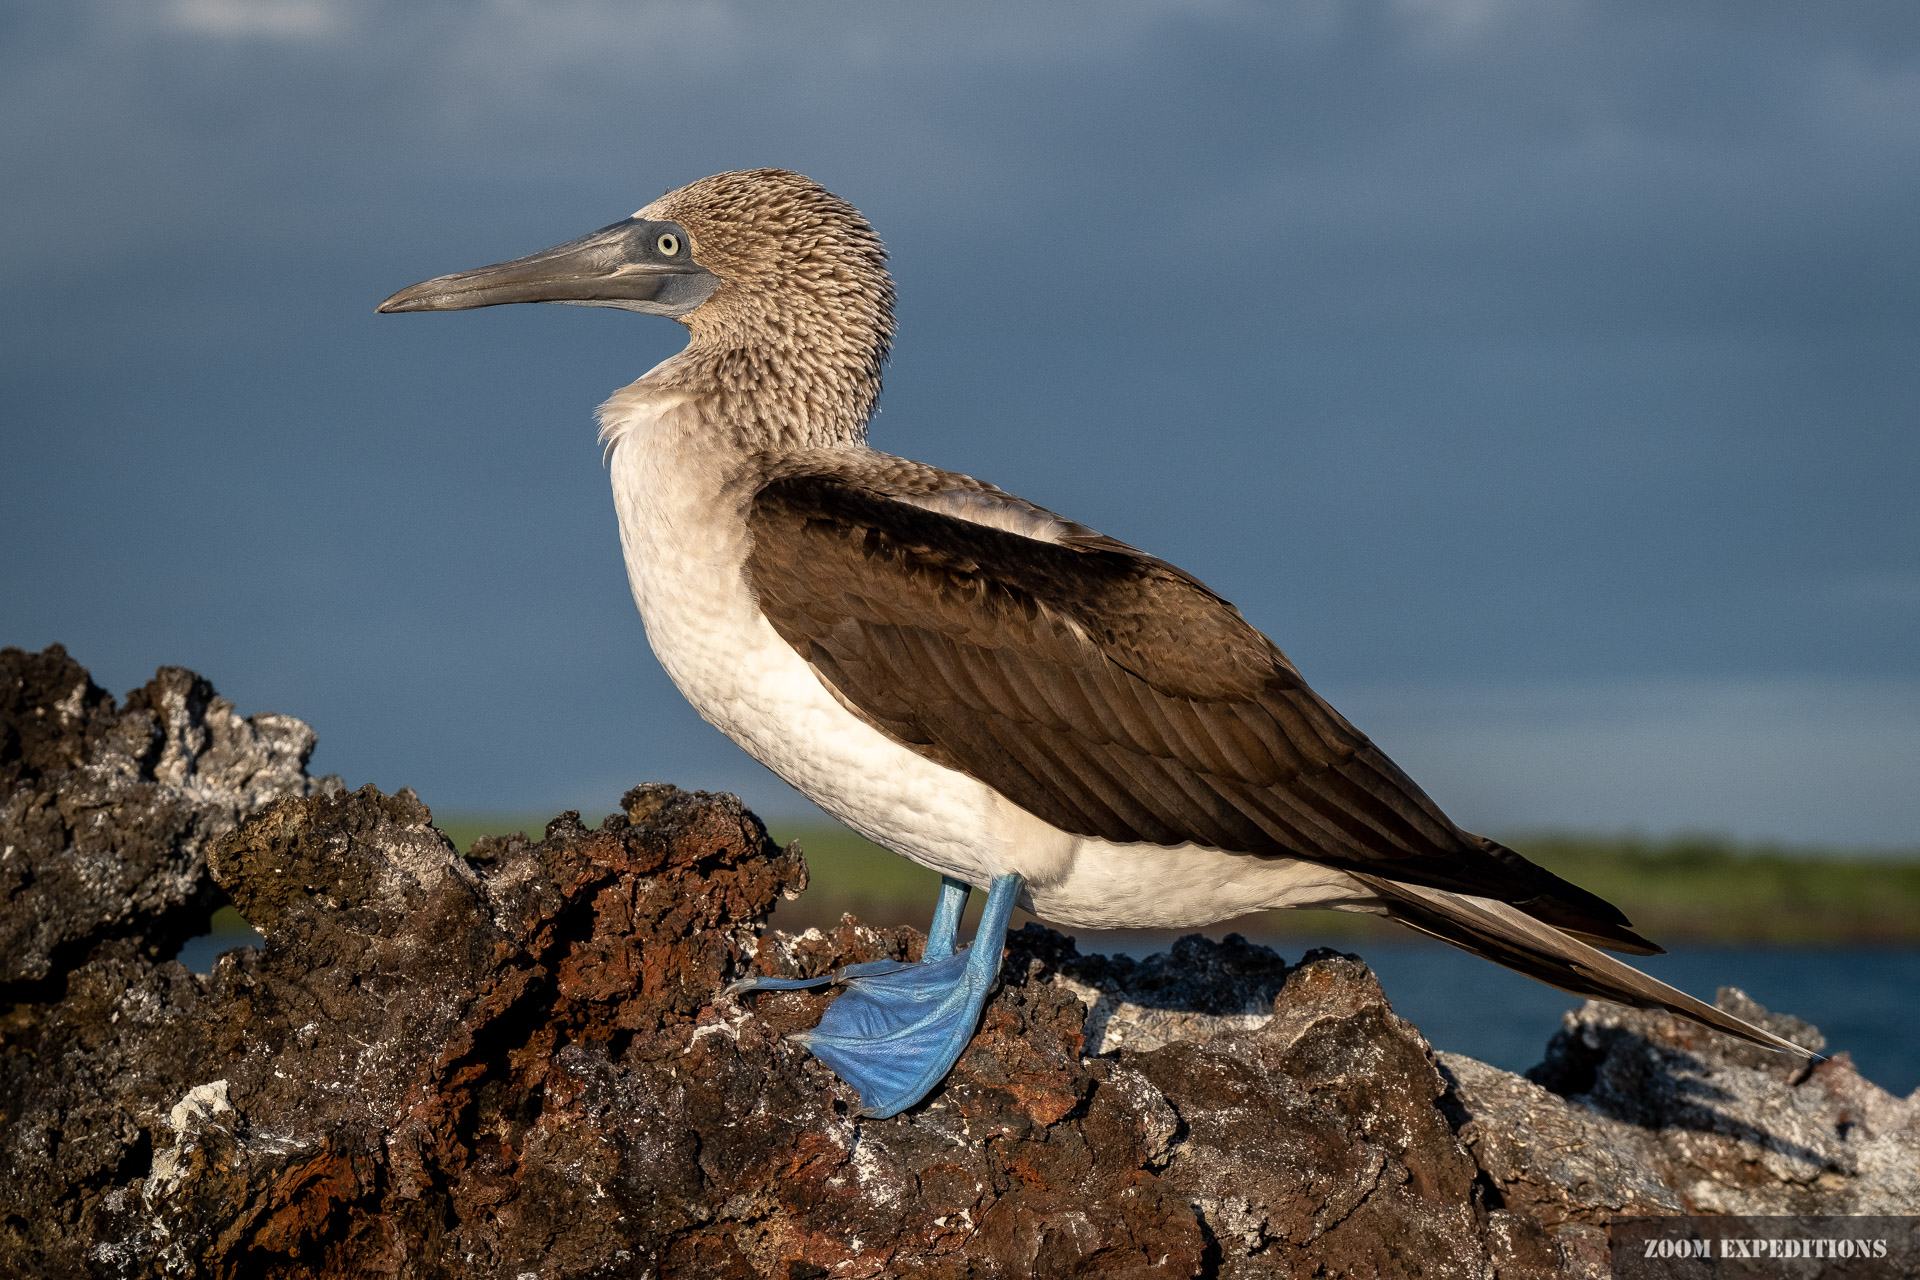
[[106, 812], [519, 1063]]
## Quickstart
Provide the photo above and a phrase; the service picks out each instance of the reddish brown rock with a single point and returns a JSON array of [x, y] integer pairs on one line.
[[519, 1063]]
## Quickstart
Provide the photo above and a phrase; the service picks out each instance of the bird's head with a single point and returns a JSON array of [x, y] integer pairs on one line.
[[766, 268]]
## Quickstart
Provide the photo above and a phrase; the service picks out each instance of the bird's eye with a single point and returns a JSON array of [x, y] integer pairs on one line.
[[668, 244]]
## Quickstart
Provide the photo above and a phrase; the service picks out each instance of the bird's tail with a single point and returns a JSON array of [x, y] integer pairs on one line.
[[1508, 936]]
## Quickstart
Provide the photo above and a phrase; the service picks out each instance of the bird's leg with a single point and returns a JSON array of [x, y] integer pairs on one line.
[[946, 920], [940, 934], [899, 1027], [895, 1034]]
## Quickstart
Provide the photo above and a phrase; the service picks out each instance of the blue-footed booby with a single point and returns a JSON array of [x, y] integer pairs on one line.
[[993, 690]]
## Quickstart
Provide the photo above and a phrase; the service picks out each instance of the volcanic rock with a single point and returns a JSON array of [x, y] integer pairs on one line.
[[106, 812], [520, 1062]]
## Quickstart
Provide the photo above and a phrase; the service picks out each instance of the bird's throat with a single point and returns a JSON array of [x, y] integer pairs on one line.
[[780, 394]]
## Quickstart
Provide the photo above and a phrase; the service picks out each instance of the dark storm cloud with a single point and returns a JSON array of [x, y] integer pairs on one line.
[[1467, 342]]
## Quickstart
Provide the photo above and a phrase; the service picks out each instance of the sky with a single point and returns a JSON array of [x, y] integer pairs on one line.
[[1541, 375]]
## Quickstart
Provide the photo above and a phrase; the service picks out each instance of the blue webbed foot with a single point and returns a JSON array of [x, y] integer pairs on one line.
[[898, 1028], [802, 984]]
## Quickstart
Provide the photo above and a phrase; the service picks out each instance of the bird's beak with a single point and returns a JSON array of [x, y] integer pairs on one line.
[[616, 266]]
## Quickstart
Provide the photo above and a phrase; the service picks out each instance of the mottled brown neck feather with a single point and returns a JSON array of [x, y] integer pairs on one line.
[[788, 351]]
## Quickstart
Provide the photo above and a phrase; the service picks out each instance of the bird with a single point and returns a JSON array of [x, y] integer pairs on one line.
[[988, 688]]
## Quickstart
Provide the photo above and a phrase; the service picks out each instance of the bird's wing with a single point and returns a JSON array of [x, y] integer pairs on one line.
[[1104, 691], [1522, 942]]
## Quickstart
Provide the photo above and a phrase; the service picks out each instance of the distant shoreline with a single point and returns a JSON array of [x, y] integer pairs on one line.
[[1683, 890]]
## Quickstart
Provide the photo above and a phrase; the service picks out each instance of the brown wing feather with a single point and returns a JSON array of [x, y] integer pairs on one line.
[[1108, 693]]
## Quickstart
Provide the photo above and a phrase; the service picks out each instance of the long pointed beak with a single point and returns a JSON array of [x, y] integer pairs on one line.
[[616, 266]]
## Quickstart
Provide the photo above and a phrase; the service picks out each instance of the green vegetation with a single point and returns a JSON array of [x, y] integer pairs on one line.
[[228, 922], [1675, 891], [1700, 889], [464, 829]]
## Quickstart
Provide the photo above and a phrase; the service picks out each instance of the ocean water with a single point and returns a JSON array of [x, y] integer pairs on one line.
[[1866, 1000]]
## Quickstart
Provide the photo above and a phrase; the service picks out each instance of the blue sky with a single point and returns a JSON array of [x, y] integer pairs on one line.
[[1542, 376]]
